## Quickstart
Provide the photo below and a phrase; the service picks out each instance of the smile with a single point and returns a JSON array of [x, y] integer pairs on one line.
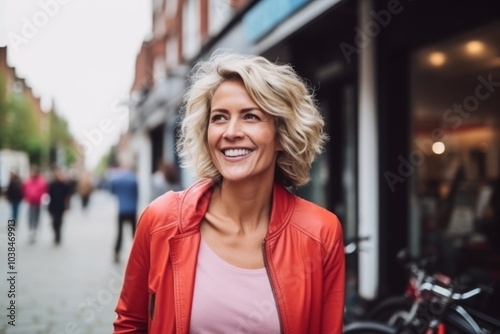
[[236, 152]]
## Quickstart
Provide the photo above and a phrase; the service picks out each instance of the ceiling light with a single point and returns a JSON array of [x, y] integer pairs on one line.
[[474, 47], [438, 147], [437, 59]]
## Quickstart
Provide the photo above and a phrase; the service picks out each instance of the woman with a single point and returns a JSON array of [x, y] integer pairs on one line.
[[59, 193], [34, 188], [236, 252], [14, 194], [85, 188], [165, 178]]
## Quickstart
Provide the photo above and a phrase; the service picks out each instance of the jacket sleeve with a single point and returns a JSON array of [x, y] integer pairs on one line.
[[334, 285], [132, 308]]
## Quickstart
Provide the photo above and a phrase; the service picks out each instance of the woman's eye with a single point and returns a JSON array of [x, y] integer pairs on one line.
[[217, 117], [252, 117]]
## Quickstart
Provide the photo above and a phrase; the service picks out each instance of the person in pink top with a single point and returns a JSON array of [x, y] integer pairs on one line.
[[33, 189]]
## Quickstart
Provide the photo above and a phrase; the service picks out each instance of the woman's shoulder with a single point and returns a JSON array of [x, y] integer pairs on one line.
[[165, 211], [315, 220], [162, 212], [314, 211]]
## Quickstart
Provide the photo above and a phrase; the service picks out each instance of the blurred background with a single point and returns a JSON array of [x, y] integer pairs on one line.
[[410, 91]]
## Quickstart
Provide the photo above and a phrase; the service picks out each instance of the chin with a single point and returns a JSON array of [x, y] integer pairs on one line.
[[233, 178]]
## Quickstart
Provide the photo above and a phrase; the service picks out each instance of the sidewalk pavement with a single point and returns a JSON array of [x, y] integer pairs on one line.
[[71, 288]]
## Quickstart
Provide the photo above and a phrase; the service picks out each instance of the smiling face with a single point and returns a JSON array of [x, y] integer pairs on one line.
[[241, 136]]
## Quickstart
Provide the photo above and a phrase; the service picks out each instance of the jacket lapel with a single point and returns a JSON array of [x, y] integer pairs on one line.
[[184, 249], [184, 255]]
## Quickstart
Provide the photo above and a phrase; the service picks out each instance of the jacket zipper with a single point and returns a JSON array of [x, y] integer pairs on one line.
[[266, 264]]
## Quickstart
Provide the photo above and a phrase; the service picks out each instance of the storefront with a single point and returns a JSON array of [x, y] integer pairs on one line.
[[387, 76], [427, 58], [455, 122], [439, 89]]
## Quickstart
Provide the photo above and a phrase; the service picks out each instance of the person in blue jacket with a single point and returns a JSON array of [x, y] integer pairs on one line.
[[123, 184]]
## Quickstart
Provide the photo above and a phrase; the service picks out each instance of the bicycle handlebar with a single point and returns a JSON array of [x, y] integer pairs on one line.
[[448, 293]]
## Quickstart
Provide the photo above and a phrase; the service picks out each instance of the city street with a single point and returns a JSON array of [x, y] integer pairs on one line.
[[70, 288]]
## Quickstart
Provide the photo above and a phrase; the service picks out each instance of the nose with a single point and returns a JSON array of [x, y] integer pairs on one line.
[[233, 130]]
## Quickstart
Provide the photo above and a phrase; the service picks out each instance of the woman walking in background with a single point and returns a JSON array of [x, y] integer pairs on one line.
[[164, 179], [33, 190], [84, 188], [59, 192], [14, 195]]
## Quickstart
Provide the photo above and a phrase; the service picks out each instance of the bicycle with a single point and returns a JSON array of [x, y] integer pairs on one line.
[[434, 303]]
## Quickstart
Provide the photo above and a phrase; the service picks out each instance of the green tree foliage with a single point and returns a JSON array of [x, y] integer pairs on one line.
[[104, 163], [60, 137], [22, 124], [3, 111], [20, 129], [23, 129], [70, 156], [58, 129]]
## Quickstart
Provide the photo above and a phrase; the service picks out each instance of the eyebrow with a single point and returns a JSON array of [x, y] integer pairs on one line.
[[244, 110]]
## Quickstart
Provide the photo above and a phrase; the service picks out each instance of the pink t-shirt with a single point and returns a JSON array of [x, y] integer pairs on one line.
[[33, 190], [228, 299]]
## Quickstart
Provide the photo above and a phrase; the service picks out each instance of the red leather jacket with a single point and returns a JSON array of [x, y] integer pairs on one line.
[[303, 252]]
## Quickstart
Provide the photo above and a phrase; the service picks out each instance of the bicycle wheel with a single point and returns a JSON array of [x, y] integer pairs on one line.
[[391, 311], [457, 324], [368, 327]]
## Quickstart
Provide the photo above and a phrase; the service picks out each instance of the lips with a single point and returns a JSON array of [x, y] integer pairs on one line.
[[236, 152]]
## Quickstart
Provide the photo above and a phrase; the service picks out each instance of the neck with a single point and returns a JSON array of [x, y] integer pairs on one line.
[[248, 205]]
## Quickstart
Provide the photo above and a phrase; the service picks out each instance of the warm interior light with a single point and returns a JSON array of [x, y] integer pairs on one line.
[[474, 47], [438, 147], [437, 58]]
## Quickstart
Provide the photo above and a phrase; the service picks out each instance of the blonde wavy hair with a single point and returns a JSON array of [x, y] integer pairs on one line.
[[277, 90]]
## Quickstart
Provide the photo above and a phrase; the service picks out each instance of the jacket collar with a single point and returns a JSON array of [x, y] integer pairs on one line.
[[195, 200]]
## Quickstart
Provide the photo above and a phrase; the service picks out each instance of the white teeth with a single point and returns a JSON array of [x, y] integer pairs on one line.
[[236, 152]]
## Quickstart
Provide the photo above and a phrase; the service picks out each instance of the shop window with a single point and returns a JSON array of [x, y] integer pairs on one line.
[[454, 159]]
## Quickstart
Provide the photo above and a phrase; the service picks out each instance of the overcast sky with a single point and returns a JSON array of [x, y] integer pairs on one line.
[[81, 54]]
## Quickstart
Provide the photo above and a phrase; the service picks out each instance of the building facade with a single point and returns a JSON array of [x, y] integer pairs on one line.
[[410, 94]]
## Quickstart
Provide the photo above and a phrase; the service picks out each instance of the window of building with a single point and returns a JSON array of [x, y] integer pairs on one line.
[[191, 29], [219, 14], [454, 161]]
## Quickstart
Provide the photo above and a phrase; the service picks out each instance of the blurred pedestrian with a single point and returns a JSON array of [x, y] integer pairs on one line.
[[123, 184], [14, 195], [172, 176], [165, 178], [59, 192], [84, 188], [33, 190]]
